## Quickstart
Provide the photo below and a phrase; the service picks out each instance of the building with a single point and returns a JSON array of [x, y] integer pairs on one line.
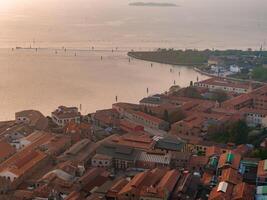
[[25, 141], [225, 85], [123, 157], [196, 125], [256, 99], [259, 96], [106, 118], [153, 159], [239, 102], [57, 145], [116, 188], [64, 115], [33, 118], [169, 143], [191, 128], [262, 173], [255, 117], [180, 160], [93, 178], [6, 150], [80, 152], [147, 120], [229, 160], [122, 108], [138, 140], [235, 69], [101, 160], [152, 101], [152, 184], [129, 126], [225, 190], [20, 167]]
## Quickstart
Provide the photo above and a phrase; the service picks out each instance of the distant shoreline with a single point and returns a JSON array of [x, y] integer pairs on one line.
[[198, 60], [152, 4]]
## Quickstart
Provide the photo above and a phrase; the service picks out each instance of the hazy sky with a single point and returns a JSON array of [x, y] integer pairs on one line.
[[196, 22]]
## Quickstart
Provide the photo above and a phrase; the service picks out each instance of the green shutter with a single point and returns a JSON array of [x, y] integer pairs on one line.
[[229, 158]]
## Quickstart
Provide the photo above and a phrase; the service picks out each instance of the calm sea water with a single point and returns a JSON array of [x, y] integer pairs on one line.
[[44, 80]]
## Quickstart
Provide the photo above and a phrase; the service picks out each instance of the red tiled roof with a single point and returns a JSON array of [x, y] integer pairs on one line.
[[243, 191], [6, 150], [235, 162], [149, 117], [135, 140], [25, 163], [225, 83], [219, 195], [231, 176]]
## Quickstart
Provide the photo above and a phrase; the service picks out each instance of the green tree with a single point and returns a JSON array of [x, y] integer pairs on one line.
[[238, 132]]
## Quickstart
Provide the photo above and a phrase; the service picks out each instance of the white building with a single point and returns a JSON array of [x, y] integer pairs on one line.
[[255, 117], [235, 69], [225, 85], [64, 115]]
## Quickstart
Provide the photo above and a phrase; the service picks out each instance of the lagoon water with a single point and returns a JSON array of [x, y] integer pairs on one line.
[[43, 80]]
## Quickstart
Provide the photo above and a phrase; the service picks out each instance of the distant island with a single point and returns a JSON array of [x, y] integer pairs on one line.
[[236, 64], [153, 4]]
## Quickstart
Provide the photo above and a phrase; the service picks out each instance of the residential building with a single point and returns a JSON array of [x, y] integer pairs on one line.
[[152, 184], [254, 117], [137, 140], [153, 159], [229, 160], [122, 108], [225, 85], [106, 118], [6, 150], [169, 143], [239, 102], [101, 160], [33, 118], [20, 167], [63, 115], [123, 157], [235, 69], [180, 160], [262, 173], [152, 101], [129, 126], [224, 190], [114, 190], [147, 120]]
